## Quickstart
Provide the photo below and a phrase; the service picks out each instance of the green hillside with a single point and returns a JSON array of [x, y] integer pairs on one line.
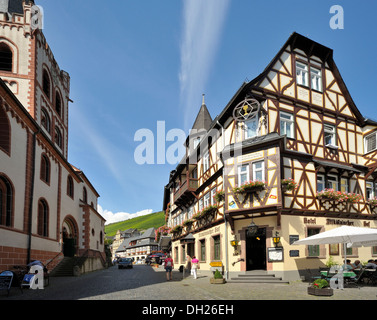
[[156, 219]]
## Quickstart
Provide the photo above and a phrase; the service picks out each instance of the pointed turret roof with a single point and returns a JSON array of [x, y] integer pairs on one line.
[[203, 119]]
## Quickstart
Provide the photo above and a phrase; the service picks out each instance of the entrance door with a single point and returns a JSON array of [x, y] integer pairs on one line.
[[190, 249], [256, 250], [69, 247]]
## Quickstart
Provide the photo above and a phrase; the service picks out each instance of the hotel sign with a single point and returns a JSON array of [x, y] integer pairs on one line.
[[334, 222]]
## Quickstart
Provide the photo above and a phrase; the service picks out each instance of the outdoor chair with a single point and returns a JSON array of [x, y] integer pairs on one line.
[[312, 276], [355, 280]]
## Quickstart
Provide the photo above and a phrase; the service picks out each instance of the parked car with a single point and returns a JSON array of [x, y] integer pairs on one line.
[[125, 263]]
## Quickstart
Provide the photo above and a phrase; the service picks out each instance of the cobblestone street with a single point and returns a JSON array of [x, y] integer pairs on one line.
[[147, 283]]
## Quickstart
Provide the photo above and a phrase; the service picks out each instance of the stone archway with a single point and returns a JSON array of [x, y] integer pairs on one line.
[[70, 236]]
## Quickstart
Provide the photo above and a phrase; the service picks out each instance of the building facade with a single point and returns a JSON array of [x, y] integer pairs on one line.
[[288, 157], [138, 246], [47, 206]]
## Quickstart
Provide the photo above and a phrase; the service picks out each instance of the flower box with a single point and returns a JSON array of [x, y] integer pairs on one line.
[[320, 292], [339, 196], [250, 187], [216, 281], [288, 184]]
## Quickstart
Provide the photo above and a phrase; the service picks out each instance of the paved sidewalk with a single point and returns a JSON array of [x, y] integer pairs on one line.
[[260, 291], [146, 283]]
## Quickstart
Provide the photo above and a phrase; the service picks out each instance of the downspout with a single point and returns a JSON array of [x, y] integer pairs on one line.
[[31, 198], [225, 221]]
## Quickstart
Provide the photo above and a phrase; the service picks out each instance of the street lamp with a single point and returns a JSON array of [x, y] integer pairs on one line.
[[252, 228], [234, 244], [276, 239]]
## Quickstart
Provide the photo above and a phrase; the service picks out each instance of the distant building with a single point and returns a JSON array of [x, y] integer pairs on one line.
[[120, 236], [138, 246], [48, 207]]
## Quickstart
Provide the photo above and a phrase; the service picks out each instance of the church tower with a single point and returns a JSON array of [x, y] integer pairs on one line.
[[28, 67]]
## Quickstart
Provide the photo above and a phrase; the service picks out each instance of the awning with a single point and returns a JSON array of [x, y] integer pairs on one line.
[[335, 165]]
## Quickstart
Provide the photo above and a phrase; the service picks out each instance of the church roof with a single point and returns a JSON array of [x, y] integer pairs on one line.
[[14, 6]]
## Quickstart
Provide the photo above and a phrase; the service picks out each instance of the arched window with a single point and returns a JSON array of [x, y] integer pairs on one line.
[[46, 83], [45, 120], [6, 57], [4, 131], [45, 169], [84, 195], [42, 218], [58, 104], [70, 186], [6, 202], [58, 138]]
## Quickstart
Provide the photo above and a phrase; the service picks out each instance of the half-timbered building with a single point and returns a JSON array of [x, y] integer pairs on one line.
[[289, 156]]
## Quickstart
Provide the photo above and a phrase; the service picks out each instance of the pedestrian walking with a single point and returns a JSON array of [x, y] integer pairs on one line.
[[194, 267], [187, 266], [169, 266]]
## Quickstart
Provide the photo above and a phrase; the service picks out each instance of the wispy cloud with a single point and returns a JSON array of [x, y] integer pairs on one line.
[[105, 150], [203, 22], [112, 217]]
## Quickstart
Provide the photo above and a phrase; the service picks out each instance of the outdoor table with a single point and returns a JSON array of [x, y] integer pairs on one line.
[[346, 274]]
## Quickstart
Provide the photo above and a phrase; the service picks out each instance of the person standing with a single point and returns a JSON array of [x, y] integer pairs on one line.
[[194, 267], [169, 265]]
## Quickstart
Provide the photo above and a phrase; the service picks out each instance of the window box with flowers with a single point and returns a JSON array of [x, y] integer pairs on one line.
[[163, 230], [250, 187], [206, 215], [219, 196], [188, 224], [288, 184], [177, 229], [338, 196], [372, 202]]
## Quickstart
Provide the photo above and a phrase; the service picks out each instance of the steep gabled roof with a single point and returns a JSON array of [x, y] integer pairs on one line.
[[310, 47]]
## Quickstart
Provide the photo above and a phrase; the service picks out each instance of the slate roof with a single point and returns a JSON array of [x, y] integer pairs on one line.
[[145, 239], [15, 6]]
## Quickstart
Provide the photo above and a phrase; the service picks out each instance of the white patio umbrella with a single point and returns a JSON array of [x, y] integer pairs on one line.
[[354, 236]]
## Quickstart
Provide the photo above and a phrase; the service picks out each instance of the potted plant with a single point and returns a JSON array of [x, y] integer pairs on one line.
[[217, 278], [331, 263], [289, 184], [320, 287]]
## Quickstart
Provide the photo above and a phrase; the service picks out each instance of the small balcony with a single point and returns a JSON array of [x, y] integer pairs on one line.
[[186, 192]]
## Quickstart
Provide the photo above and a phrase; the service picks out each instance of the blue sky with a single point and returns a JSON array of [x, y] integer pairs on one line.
[[133, 63]]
